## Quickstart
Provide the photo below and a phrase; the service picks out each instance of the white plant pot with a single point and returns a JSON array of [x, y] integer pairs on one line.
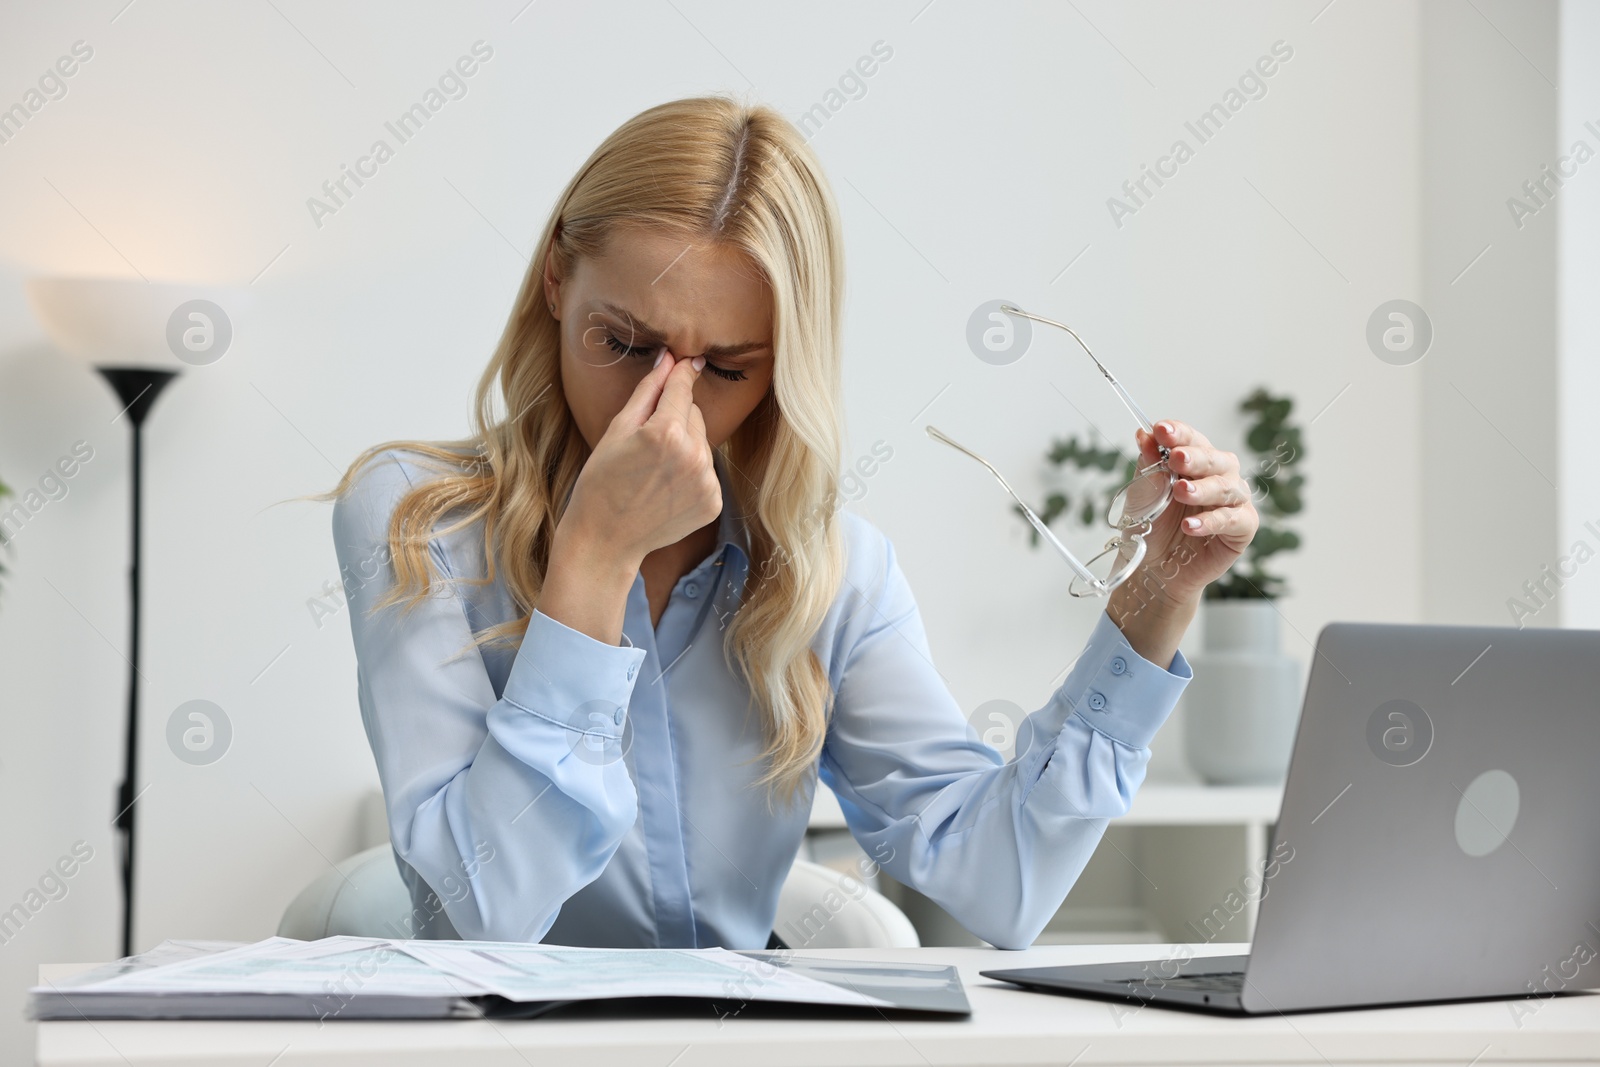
[[1241, 708]]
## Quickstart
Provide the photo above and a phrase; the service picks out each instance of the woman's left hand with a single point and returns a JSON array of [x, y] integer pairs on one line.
[[1208, 525]]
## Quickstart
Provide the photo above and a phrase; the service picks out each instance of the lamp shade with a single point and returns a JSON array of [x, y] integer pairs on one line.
[[118, 322]]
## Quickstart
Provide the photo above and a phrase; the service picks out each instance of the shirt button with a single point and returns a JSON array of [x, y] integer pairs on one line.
[[1119, 666], [1097, 702], [618, 717], [631, 668], [691, 590]]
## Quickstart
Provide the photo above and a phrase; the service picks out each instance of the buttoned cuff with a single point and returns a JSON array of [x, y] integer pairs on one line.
[[1118, 692], [572, 679]]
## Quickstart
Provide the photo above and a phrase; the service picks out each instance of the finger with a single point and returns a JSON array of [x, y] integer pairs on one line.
[[1217, 490], [1174, 434], [697, 423], [1236, 525], [642, 403], [1148, 452], [678, 394], [1199, 461]]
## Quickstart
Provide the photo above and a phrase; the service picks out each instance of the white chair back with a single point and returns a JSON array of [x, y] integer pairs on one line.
[[818, 906]]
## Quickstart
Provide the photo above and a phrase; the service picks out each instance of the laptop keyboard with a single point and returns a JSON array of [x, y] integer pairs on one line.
[[1211, 981]]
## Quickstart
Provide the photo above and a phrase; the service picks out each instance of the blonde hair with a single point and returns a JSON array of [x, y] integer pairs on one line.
[[704, 168]]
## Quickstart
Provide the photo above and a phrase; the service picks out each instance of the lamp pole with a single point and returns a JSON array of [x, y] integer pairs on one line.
[[138, 388]]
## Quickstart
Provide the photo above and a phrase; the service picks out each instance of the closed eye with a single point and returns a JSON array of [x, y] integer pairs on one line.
[[629, 350], [640, 351]]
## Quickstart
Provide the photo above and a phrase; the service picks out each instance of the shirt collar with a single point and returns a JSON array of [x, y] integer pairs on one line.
[[731, 529]]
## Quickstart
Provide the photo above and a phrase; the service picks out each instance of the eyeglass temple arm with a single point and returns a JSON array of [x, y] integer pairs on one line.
[[1038, 524], [1138, 413]]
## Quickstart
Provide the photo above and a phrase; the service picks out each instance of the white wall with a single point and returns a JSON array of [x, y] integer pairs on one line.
[[1489, 411], [1577, 209], [976, 166]]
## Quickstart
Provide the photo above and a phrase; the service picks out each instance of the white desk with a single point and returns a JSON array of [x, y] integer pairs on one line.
[[1008, 1026]]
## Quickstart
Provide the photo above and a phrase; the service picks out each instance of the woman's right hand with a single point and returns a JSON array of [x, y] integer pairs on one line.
[[650, 481]]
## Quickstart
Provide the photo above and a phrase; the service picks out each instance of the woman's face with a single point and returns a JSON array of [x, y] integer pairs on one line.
[[649, 290]]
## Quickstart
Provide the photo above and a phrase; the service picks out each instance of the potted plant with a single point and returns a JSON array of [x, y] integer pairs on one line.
[[1276, 486], [1243, 703], [1242, 706]]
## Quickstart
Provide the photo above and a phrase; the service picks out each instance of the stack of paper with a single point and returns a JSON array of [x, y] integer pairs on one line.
[[368, 978]]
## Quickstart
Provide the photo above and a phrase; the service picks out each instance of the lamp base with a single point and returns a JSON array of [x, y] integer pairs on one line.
[[138, 388]]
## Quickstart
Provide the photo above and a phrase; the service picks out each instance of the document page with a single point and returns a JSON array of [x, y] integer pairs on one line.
[[168, 952], [360, 972], [347, 965], [524, 972]]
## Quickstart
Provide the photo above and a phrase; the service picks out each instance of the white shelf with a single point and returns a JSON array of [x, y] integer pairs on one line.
[[825, 811], [1089, 925], [1177, 804]]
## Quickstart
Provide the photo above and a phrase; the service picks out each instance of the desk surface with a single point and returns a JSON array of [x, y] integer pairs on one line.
[[1008, 1026]]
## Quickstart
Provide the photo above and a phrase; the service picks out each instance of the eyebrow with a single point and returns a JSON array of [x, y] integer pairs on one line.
[[710, 350]]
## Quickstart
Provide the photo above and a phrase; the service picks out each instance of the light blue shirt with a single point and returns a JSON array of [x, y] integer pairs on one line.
[[574, 792]]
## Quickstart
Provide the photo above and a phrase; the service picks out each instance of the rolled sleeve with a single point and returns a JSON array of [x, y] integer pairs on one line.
[[595, 681], [501, 806], [1120, 693], [1110, 708]]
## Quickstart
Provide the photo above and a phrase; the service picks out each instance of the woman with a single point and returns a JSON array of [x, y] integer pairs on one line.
[[670, 631]]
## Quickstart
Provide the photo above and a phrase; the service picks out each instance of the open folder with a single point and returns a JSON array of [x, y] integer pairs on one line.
[[384, 978]]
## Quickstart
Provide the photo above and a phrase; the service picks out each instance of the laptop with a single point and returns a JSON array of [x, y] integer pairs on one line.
[[1439, 837]]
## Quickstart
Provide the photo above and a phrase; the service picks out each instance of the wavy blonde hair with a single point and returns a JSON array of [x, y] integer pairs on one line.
[[707, 169]]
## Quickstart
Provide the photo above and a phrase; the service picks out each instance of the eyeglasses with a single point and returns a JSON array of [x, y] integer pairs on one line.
[[1132, 511]]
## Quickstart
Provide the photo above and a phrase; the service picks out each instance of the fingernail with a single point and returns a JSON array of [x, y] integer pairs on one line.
[[1191, 524], [1165, 427], [699, 363], [661, 355], [1186, 485]]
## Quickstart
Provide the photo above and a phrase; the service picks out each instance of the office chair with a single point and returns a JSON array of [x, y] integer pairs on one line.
[[363, 896]]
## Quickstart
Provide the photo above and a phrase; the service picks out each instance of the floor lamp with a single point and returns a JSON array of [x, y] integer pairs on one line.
[[138, 336]]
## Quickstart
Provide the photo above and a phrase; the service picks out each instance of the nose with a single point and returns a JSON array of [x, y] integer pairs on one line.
[[667, 353]]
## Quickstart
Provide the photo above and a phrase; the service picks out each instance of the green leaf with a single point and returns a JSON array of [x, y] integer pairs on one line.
[[1089, 458], [1033, 535], [1257, 401], [1286, 495], [1270, 540], [1234, 586], [1294, 448]]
